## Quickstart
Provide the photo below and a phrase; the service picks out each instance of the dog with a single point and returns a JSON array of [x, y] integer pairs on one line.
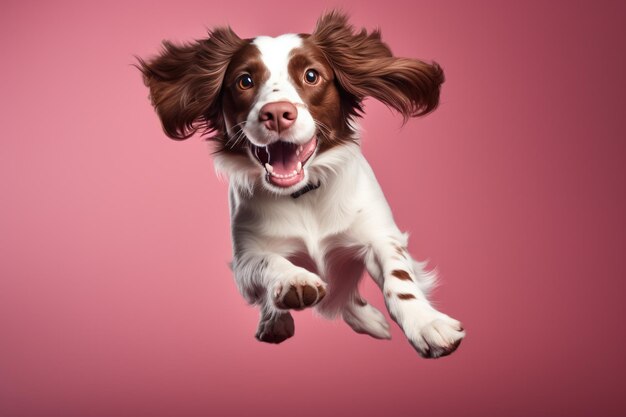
[[307, 214]]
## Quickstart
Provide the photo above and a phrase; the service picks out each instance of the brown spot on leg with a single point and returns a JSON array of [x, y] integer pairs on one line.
[[309, 295], [400, 274], [404, 296], [359, 301]]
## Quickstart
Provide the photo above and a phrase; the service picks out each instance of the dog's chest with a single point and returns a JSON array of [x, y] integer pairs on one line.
[[306, 230]]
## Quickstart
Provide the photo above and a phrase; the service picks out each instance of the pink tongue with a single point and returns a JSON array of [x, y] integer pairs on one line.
[[283, 158]]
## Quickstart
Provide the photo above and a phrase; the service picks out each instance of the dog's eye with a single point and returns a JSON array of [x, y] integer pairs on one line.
[[311, 76], [245, 81]]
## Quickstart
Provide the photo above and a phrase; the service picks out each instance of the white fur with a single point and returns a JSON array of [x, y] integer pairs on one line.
[[326, 237]]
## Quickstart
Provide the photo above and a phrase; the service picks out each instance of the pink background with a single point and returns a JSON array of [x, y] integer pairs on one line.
[[115, 295]]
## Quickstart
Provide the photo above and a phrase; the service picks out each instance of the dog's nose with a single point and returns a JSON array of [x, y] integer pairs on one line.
[[278, 116]]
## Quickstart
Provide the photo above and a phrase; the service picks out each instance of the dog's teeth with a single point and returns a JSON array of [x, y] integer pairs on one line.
[[300, 149], [299, 167], [289, 175], [269, 168]]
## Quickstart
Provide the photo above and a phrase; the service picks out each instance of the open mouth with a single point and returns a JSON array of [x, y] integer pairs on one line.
[[283, 161]]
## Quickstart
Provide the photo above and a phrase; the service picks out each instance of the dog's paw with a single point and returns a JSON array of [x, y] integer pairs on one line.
[[366, 319], [305, 289], [276, 329], [439, 337]]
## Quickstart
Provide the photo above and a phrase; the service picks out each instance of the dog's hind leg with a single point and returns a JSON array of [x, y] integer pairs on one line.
[[366, 319]]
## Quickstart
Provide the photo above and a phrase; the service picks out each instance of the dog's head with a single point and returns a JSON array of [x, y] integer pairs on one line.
[[276, 105]]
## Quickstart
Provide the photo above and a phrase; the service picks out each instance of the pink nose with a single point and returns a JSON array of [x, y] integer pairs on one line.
[[278, 116]]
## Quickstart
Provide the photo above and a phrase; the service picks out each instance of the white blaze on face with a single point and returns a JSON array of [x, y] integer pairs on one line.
[[275, 54]]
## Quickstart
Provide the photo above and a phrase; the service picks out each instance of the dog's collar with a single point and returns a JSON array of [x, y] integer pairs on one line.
[[306, 189]]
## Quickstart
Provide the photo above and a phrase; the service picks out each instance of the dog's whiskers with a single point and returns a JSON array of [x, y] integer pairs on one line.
[[324, 130], [235, 139]]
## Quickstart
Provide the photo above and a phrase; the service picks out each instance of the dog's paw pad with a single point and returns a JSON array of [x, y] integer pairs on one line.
[[299, 295], [275, 329]]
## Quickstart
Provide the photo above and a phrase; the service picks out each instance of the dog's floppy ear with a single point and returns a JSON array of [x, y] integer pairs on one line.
[[364, 66], [185, 82]]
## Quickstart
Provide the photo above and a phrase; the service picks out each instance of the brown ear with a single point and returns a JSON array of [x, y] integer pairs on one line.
[[364, 66], [185, 82]]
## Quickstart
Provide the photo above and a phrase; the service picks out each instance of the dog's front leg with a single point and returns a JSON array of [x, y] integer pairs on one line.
[[277, 285], [405, 283]]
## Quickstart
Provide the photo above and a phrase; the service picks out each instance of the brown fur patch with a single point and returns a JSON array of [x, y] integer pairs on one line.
[[237, 102], [404, 296], [402, 275], [185, 83], [323, 99], [365, 67], [359, 301]]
